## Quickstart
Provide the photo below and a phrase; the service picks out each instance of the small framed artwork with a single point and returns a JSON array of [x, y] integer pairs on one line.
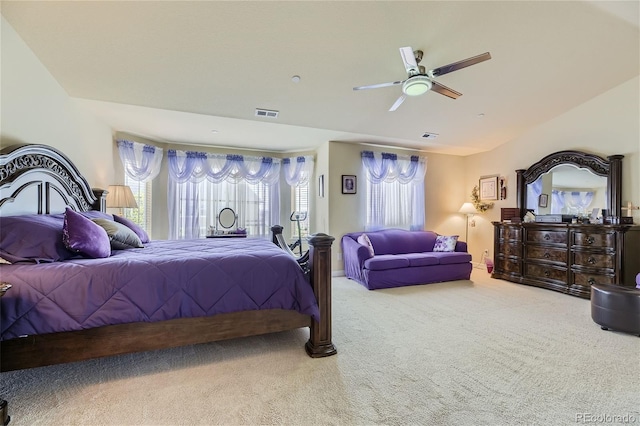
[[489, 187], [321, 186], [348, 184], [543, 200]]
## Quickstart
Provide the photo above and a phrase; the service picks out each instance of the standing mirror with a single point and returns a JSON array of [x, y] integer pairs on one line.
[[227, 218]]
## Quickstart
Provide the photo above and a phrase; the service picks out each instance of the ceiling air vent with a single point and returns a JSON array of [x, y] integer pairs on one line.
[[428, 135], [266, 113]]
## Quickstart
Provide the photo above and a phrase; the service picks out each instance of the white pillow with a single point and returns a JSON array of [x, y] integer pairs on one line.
[[365, 241], [444, 243]]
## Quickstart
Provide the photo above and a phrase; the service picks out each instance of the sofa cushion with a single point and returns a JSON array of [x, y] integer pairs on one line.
[[421, 259], [449, 258], [386, 261], [399, 241]]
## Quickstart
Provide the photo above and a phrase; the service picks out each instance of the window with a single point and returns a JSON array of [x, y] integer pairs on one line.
[[391, 203], [250, 201], [300, 204], [142, 194], [394, 191]]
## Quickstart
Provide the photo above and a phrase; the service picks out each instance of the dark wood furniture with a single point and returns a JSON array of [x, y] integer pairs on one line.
[[568, 257], [5, 418], [39, 179], [611, 168]]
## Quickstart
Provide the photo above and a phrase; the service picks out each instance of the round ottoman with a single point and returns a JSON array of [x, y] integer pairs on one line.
[[615, 307]]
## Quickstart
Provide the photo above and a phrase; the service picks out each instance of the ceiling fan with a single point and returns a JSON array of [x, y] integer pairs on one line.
[[419, 82]]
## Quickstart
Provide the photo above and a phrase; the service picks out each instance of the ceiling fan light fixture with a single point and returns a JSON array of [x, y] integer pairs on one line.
[[417, 85]]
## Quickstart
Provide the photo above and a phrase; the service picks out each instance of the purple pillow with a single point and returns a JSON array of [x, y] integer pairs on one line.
[[33, 238], [638, 281], [81, 235], [97, 214], [144, 237]]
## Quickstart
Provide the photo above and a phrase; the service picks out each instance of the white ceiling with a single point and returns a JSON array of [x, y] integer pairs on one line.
[[176, 70]]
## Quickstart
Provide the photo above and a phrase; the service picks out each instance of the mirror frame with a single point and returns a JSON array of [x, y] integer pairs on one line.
[[233, 214], [611, 168]]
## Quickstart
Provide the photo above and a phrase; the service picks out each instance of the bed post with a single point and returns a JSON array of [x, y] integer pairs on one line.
[[320, 344]]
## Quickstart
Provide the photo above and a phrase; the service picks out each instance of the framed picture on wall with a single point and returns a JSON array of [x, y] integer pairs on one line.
[[321, 186], [348, 184], [543, 200], [488, 187]]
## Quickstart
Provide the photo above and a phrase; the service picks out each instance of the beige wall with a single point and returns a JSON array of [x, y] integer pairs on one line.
[[35, 109], [606, 125]]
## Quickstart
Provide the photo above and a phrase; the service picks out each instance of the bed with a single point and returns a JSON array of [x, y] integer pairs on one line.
[[68, 307]]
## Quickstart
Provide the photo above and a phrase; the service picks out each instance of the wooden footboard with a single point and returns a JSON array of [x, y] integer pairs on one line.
[[57, 348]]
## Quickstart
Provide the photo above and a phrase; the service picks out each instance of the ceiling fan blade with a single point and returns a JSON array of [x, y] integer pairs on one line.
[[460, 64], [444, 90], [398, 102], [409, 60], [375, 86]]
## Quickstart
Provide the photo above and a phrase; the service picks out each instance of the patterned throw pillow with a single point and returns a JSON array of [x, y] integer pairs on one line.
[[81, 235], [444, 243], [365, 241]]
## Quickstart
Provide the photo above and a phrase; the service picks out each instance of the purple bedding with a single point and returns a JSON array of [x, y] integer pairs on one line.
[[164, 280]]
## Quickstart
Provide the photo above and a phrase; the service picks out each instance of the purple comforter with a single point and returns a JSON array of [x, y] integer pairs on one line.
[[165, 280]]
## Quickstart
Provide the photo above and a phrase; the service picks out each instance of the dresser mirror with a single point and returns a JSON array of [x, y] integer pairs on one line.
[[567, 189], [571, 182]]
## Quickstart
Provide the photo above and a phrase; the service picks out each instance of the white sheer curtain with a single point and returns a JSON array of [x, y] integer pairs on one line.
[[141, 162], [201, 184], [394, 190], [298, 170]]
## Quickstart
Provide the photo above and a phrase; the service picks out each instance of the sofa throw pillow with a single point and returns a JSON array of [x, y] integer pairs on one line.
[[120, 236], [141, 233], [365, 241], [444, 243], [81, 235]]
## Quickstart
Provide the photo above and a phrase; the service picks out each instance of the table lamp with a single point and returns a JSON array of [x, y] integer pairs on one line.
[[120, 197]]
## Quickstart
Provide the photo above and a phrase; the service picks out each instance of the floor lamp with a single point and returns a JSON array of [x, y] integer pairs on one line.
[[469, 210]]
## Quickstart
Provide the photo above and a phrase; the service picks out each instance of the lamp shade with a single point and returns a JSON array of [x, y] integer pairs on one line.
[[466, 208], [120, 196]]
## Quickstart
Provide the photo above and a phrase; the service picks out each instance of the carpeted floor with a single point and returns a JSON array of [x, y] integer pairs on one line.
[[480, 352]]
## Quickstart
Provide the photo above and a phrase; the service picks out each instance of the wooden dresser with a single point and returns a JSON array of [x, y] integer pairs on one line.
[[566, 257]]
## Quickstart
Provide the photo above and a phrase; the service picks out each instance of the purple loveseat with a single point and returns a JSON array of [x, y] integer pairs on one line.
[[402, 258]]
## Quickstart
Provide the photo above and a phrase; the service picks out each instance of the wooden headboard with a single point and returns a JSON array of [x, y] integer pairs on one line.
[[38, 179]]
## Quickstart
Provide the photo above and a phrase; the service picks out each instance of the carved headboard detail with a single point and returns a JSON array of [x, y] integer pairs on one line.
[[38, 179]]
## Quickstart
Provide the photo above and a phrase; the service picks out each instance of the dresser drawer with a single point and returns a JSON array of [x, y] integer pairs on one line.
[[510, 248], [588, 280], [556, 237], [544, 272], [507, 265], [595, 239], [510, 233], [594, 260], [549, 254]]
